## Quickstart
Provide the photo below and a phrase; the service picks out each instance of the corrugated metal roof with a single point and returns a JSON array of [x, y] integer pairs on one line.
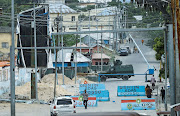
[[57, 8], [81, 58], [97, 36], [80, 45], [67, 56], [98, 56]]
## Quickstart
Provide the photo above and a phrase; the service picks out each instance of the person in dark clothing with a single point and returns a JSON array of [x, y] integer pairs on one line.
[[162, 94], [85, 99], [148, 92], [146, 88]]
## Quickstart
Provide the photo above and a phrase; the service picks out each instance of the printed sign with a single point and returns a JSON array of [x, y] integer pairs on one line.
[[138, 104], [91, 87], [101, 95], [92, 102], [131, 91]]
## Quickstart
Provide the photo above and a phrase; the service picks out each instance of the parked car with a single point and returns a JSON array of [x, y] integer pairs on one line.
[[129, 50], [123, 52], [62, 105]]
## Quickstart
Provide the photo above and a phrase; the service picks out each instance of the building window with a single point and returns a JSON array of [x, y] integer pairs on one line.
[[96, 63], [5, 45], [73, 18]]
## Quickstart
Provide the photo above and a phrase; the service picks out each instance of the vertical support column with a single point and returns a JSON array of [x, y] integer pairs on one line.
[[62, 43], [35, 53], [12, 61], [165, 51], [33, 86], [12, 81], [89, 34], [101, 52], [55, 79], [171, 67], [177, 48]]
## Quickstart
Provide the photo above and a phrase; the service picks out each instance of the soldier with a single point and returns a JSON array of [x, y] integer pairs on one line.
[[85, 99]]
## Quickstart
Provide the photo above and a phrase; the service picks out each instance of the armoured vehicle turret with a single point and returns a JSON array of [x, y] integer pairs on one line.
[[118, 71]]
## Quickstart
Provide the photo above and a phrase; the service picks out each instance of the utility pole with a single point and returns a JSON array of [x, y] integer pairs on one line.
[[55, 79], [171, 67], [62, 47], [89, 34], [76, 55], [12, 66], [176, 11], [101, 51], [35, 53], [165, 51]]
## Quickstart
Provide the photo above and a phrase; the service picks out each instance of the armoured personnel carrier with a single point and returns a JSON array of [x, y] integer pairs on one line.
[[124, 71]]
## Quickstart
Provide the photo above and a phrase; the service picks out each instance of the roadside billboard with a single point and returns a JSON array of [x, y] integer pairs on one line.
[[131, 91], [138, 104], [92, 102]]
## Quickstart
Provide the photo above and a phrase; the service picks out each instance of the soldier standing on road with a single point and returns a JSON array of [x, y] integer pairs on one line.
[[162, 94], [85, 99]]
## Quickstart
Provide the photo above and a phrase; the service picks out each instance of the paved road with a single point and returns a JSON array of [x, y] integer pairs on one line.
[[139, 65]]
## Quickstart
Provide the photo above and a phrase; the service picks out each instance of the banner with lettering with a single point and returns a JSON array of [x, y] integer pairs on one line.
[[138, 104], [91, 87], [92, 102], [131, 91], [101, 95]]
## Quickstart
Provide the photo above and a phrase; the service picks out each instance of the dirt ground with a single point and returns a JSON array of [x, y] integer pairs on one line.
[[23, 109]]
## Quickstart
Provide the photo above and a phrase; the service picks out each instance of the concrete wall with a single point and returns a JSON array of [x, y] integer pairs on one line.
[[67, 21], [22, 76], [6, 37]]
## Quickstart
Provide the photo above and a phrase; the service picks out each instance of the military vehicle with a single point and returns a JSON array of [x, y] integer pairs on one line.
[[126, 70]]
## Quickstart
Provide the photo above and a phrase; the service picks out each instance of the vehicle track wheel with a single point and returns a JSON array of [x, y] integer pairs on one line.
[[103, 78], [125, 77]]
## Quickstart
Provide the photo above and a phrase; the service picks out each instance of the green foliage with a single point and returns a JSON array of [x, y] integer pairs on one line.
[[68, 40], [89, 7], [162, 72], [159, 47], [71, 1], [114, 3]]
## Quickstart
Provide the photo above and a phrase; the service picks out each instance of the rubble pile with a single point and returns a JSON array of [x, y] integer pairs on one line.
[[46, 87]]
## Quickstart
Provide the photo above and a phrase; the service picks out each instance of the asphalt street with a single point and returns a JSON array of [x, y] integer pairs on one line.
[[114, 105], [140, 67]]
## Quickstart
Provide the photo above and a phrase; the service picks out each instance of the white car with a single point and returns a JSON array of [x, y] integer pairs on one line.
[[62, 105]]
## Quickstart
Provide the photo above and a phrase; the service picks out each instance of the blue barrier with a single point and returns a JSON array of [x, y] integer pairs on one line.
[[101, 95], [138, 104], [92, 101], [131, 91], [91, 87]]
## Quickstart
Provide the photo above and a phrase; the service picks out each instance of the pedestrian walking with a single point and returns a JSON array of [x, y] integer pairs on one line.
[[142, 41], [85, 99], [146, 88], [162, 94], [149, 92], [129, 40], [153, 81]]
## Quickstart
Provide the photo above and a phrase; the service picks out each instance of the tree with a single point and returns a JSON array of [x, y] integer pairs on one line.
[[68, 40], [159, 47]]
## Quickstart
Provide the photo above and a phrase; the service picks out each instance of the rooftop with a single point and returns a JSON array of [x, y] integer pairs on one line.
[[57, 8], [98, 56]]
